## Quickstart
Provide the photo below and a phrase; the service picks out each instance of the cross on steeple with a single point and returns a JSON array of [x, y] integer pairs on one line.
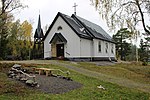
[[75, 8]]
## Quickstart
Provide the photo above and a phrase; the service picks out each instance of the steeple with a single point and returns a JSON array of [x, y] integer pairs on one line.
[[39, 26], [39, 32], [38, 47]]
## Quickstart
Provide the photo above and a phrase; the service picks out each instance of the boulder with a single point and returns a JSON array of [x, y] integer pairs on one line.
[[10, 72], [31, 83], [18, 77], [16, 66], [12, 75], [23, 79]]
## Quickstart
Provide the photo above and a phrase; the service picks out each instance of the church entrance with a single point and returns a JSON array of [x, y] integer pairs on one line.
[[60, 50], [57, 45]]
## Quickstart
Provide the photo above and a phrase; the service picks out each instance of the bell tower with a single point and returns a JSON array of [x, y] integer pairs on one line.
[[38, 49]]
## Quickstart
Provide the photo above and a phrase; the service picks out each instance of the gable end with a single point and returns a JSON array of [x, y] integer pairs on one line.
[[63, 17]]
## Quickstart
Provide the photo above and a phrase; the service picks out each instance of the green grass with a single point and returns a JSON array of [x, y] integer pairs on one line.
[[135, 72], [89, 91]]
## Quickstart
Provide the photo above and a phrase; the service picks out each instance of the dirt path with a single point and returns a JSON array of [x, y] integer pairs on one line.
[[120, 81]]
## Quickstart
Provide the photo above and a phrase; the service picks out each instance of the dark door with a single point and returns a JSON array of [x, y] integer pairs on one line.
[[60, 50]]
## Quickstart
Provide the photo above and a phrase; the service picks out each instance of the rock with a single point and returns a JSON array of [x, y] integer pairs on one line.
[[16, 66], [10, 72], [23, 79], [12, 75], [35, 84], [31, 83], [101, 87], [69, 79], [18, 77], [59, 76], [24, 70]]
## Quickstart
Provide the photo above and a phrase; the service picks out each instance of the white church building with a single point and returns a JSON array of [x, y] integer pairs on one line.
[[75, 38]]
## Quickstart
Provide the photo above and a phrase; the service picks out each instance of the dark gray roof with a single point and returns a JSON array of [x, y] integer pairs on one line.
[[76, 26], [95, 30], [58, 36], [83, 28]]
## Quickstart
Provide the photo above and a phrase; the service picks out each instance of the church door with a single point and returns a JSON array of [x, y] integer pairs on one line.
[[60, 50]]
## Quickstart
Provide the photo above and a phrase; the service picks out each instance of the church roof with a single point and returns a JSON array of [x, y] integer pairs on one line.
[[83, 28], [95, 30], [58, 36], [39, 31]]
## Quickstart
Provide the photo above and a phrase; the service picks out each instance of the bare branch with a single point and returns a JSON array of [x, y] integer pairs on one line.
[[137, 21], [124, 4], [142, 17], [8, 4]]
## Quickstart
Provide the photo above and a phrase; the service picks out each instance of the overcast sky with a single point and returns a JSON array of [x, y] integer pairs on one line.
[[48, 9]]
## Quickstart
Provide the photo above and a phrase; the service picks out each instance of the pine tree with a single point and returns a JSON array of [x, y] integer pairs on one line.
[[122, 47]]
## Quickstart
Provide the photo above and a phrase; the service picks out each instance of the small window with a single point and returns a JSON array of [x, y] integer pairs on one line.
[[59, 28], [99, 46], [106, 49], [112, 48]]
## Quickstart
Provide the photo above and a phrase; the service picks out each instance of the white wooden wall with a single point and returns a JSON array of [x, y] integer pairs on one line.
[[75, 46], [73, 41], [103, 46]]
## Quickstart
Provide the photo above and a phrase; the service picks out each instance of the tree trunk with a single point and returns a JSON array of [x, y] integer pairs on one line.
[[142, 17]]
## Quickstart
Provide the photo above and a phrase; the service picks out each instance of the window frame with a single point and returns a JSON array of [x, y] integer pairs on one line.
[[59, 28], [99, 47], [112, 48], [106, 47]]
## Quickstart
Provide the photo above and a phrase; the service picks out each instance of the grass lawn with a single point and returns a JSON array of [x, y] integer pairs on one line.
[[135, 72], [12, 90]]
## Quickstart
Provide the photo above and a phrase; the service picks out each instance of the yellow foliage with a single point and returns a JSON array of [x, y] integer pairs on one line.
[[27, 30]]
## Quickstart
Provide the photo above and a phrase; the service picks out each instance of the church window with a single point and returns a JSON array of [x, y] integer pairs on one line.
[[99, 46], [106, 49], [112, 48], [59, 28]]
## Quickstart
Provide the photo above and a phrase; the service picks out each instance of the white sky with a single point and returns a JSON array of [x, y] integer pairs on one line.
[[49, 8]]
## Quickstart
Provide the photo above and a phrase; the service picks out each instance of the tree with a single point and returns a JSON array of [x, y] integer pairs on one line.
[[26, 33], [119, 13], [132, 55], [13, 44], [142, 50], [19, 39], [7, 6], [128, 13], [147, 45], [122, 47]]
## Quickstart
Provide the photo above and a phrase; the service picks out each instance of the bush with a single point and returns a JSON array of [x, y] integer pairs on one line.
[[144, 63]]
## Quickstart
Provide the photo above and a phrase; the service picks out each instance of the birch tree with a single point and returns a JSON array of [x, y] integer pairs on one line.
[[119, 13], [124, 13]]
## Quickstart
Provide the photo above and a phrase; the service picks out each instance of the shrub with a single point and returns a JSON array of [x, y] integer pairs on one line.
[[144, 63]]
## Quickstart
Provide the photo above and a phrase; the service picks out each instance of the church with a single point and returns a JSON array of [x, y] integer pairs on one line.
[[75, 38]]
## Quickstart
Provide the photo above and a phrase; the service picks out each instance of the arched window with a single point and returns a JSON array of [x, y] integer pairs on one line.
[[59, 28]]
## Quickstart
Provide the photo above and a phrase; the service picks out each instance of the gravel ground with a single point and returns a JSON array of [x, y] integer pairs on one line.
[[55, 85]]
